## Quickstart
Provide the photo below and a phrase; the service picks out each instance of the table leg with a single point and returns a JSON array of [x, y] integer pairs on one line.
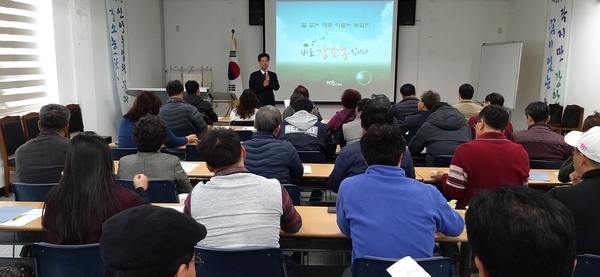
[[465, 259]]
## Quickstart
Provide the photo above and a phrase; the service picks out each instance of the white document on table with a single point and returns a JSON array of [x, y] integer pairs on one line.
[[307, 169], [188, 167], [25, 218], [407, 267], [248, 128]]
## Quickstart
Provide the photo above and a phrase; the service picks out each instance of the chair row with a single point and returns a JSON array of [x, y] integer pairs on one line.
[[159, 191], [445, 160], [86, 260], [191, 153]]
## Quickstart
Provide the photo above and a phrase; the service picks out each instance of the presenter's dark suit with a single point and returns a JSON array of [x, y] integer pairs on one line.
[[265, 94]]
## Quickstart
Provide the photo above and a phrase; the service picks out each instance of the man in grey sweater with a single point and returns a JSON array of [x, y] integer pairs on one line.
[[183, 118], [238, 208]]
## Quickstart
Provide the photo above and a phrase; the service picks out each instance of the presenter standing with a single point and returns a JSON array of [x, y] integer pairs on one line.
[[264, 82]]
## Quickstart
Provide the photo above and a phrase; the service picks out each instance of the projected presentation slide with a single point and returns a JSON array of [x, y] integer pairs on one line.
[[330, 46]]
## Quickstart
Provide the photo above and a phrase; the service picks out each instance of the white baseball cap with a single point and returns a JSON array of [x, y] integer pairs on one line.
[[587, 143]]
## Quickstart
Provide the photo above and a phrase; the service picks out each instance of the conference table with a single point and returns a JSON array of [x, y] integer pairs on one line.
[[545, 178], [319, 232], [199, 170]]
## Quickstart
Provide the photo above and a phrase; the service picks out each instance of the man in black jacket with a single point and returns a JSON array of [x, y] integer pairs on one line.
[[193, 97], [582, 198], [181, 117]]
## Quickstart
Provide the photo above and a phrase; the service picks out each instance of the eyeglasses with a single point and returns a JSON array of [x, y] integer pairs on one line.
[[198, 262]]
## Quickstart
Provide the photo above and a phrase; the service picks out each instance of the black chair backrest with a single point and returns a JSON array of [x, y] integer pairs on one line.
[[30, 125], [159, 191], [180, 153], [31, 192], [541, 164], [68, 260], [556, 111], [13, 134], [260, 262], [192, 153], [372, 266], [294, 193], [572, 116], [442, 160], [244, 135], [587, 266], [76, 121], [311, 156], [241, 123], [118, 153]]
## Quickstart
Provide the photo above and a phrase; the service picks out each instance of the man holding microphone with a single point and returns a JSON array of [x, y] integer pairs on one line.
[[264, 82]]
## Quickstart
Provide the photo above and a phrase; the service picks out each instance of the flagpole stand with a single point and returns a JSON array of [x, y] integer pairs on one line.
[[224, 97]]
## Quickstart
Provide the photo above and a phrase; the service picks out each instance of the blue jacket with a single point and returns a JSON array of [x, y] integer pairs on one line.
[[272, 158], [388, 215], [350, 162], [126, 139]]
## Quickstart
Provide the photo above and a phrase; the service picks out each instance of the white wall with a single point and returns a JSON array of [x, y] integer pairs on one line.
[[527, 23], [448, 45], [583, 68], [84, 65], [145, 43], [204, 37]]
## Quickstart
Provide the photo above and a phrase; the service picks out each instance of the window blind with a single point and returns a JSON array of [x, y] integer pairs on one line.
[[23, 80]]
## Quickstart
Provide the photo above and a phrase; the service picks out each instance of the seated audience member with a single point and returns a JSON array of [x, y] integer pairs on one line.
[[567, 171], [491, 99], [582, 199], [520, 232], [443, 131], [149, 134], [87, 194], [41, 160], [146, 103], [408, 105], [183, 118], [350, 98], [246, 108], [414, 121], [352, 131], [350, 161], [204, 107], [540, 142], [260, 206], [487, 162], [365, 201], [381, 99], [150, 241], [302, 90], [266, 155], [304, 131], [466, 106]]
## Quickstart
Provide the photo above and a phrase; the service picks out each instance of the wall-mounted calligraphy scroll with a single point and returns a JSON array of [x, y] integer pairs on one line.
[[556, 50], [118, 48]]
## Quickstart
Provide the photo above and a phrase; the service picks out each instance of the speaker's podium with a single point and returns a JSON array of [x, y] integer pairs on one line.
[[223, 97]]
